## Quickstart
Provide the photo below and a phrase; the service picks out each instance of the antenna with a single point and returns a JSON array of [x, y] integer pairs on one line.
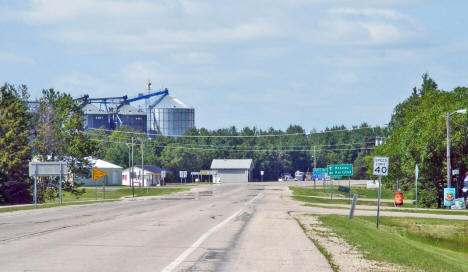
[[148, 86]]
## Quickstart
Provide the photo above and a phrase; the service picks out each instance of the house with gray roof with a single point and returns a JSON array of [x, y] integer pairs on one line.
[[233, 170]]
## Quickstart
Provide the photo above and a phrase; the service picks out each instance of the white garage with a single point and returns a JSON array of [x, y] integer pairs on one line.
[[114, 174], [233, 170]]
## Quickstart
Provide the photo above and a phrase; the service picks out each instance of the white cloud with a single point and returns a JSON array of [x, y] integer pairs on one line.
[[364, 27]]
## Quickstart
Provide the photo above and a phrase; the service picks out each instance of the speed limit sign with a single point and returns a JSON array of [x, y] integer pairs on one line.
[[380, 166]]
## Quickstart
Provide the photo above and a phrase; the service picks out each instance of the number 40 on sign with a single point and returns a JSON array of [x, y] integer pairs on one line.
[[380, 166]]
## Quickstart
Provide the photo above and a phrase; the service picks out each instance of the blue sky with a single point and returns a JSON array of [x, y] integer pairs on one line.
[[264, 63]]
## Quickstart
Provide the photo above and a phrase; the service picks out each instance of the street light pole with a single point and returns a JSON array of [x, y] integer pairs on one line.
[[131, 174], [449, 163]]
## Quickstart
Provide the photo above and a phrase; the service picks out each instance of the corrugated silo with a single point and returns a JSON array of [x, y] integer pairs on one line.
[[95, 117], [173, 117], [132, 117]]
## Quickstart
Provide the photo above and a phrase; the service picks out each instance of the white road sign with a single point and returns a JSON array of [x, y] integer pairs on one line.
[[183, 174], [261, 173], [380, 166], [163, 174]]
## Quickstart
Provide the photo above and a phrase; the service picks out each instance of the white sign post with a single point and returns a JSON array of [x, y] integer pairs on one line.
[[163, 176], [261, 174], [416, 172], [183, 175], [380, 169], [46, 169]]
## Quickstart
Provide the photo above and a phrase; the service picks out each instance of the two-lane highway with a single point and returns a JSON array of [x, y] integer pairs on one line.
[[226, 227]]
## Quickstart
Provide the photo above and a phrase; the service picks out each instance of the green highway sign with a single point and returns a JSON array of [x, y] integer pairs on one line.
[[340, 170], [320, 171]]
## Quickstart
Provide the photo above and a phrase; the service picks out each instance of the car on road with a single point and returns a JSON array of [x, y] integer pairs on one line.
[[465, 185], [286, 177]]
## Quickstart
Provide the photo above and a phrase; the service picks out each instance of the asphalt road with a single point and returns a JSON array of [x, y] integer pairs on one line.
[[226, 227]]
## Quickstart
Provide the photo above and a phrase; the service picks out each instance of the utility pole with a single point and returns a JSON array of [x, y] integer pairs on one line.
[[315, 158], [142, 164], [449, 163], [131, 174]]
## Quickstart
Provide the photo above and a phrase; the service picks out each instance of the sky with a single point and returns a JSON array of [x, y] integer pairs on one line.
[[263, 63]]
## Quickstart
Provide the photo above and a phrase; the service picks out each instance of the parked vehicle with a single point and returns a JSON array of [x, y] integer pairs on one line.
[[465, 185], [286, 177], [299, 175]]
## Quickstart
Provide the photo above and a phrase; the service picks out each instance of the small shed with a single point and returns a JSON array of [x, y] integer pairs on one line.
[[152, 176], [233, 170], [114, 174]]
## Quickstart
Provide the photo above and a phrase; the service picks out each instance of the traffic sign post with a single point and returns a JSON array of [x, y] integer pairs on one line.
[[338, 171], [261, 174], [183, 175], [380, 169], [163, 176], [416, 172], [319, 173], [46, 169], [97, 174]]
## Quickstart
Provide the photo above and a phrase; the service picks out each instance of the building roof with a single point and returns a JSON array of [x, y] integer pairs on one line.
[[170, 102], [232, 164], [91, 109], [130, 110], [150, 168], [104, 164]]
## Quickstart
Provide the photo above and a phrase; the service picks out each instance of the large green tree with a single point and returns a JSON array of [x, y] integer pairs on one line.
[[59, 136], [419, 137], [15, 134]]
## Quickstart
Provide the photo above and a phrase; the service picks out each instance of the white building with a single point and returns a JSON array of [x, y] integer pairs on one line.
[[114, 174], [152, 176], [233, 170]]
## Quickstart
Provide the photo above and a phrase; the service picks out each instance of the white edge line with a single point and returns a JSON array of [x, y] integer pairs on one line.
[[202, 238]]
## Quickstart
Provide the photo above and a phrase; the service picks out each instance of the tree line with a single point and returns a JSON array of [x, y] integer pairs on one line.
[[275, 152]]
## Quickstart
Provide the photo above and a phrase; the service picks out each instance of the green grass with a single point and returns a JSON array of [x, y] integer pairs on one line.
[[362, 192], [433, 211], [309, 199], [418, 243], [89, 197], [50, 205], [90, 193]]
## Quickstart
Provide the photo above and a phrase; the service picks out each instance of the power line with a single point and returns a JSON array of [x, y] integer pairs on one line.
[[176, 146], [463, 126], [234, 136], [284, 146]]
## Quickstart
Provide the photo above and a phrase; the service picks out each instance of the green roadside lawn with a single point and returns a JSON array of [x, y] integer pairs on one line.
[[362, 192], [90, 193], [311, 199], [422, 244], [89, 197]]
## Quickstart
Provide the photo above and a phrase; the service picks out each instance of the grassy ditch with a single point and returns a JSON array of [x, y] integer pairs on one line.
[[309, 199], [422, 244], [362, 192], [433, 211]]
